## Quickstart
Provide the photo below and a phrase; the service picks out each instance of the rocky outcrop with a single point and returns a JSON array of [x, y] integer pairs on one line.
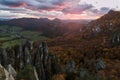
[[37, 61], [116, 38], [4, 74], [70, 70], [29, 62]]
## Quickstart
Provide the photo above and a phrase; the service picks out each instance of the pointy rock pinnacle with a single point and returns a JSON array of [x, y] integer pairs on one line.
[[45, 51], [21, 56], [49, 67], [43, 64], [99, 64], [11, 70], [5, 75], [55, 65], [35, 73], [40, 45], [0, 56], [27, 56], [16, 57], [42, 72], [44, 44], [31, 45], [4, 58], [116, 39], [13, 58], [70, 70], [36, 59], [83, 73], [21, 53], [20, 49], [40, 52], [70, 67]]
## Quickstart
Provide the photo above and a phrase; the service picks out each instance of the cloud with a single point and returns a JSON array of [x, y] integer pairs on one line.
[[12, 10], [97, 12], [58, 2], [100, 11], [14, 3], [51, 8], [8, 16], [34, 4], [39, 4], [77, 9], [104, 9]]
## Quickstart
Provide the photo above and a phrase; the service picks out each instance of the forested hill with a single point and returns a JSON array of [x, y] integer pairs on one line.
[[100, 37], [49, 28]]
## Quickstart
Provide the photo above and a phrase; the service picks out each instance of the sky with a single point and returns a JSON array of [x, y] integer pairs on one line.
[[62, 9]]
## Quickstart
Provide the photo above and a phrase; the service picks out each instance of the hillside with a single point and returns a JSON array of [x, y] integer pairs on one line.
[[49, 28], [98, 39], [12, 35]]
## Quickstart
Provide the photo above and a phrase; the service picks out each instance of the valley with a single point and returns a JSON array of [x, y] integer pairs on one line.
[[87, 50]]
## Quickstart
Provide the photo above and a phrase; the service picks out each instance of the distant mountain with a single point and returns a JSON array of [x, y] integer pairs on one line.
[[107, 26], [25, 22], [51, 28], [2, 19], [77, 21]]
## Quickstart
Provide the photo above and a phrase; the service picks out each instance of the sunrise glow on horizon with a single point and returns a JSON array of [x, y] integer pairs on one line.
[[62, 9]]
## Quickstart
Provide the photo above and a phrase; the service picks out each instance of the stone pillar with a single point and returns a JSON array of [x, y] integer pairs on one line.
[[27, 57], [70, 70], [4, 58]]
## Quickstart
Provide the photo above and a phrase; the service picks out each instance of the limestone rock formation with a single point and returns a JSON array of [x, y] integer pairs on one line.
[[4, 74], [26, 62], [12, 71], [24, 58]]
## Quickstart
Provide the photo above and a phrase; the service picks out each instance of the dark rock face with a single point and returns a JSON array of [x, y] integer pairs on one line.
[[25, 57], [4, 58], [116, 38], [99, 64], [70, 70]]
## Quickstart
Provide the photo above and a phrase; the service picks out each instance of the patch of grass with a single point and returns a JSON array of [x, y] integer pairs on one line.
[[4, 27], [29, 76], [39, 38], [17, 28], [12, 43], [8, 36], [35, 36], [5, 38], [30, 33]]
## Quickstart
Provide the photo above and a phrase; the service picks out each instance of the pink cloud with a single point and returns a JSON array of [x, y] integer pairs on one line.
[[77, 9]]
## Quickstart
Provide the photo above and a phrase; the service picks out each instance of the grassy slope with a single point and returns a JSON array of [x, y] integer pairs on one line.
[[8, 39]]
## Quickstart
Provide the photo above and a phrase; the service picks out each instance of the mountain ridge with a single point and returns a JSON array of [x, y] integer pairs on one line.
[[50, 28]]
